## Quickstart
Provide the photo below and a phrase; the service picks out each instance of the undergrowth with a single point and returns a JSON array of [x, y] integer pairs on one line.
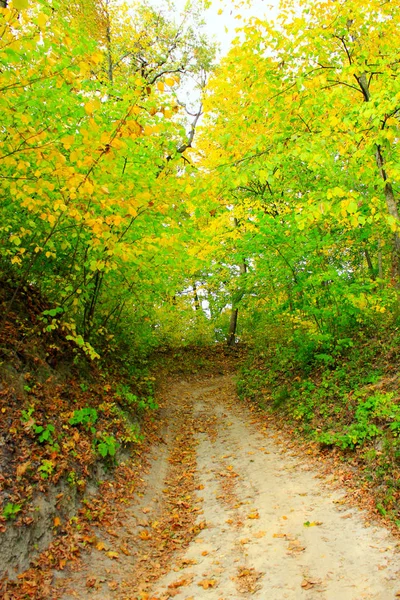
[[63, 414], [344, 397]]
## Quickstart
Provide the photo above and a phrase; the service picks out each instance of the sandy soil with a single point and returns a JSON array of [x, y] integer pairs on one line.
[[255, 521]]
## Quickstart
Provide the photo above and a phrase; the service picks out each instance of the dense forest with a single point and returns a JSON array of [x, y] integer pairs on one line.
[[157, 198], [147, 220]]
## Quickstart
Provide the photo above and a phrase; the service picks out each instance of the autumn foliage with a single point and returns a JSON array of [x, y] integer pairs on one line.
[[152, 198]]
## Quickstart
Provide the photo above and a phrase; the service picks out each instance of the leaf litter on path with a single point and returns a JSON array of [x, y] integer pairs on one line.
[[273, 530]]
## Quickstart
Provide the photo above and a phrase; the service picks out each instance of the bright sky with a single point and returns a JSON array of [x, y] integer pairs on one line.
[[222, 26]]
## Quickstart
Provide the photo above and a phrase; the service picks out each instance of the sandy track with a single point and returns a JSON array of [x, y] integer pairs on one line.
[[269, 527]]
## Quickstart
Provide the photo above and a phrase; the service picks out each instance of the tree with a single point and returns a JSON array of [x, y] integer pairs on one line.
[[93, 135], [307, 160]]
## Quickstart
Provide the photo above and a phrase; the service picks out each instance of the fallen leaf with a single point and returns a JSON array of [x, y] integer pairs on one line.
[[253, 515], [112, 554], [188, 561], [90, 582], [207, 583], [100, 546], [21, 469], [244, 572], [259, 534], [145, 535], [295, 546], [124, 550], [113, 585], [179, 583]]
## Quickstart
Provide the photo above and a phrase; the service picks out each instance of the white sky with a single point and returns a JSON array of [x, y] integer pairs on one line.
[[222, 27]]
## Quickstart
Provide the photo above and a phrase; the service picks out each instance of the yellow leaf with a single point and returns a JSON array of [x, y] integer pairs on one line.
[[57, 521], [170, 81], [148, 130], [118, 144], [160, 86], [91, 106], [207, 583], [259, 534], [42, 20], [21, 469], [68, 141], [15, 240], [97, 57], [112, 554], [20, 4], [132, 211], [253, 515]]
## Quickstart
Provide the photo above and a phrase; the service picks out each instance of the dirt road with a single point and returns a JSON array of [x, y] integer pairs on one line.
[[228, 513]]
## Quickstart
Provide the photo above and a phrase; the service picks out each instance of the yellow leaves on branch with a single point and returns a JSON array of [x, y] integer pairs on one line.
[[41, 20], [67, 141], [91, 106], [150, 129], [170, 81], [20, 4]]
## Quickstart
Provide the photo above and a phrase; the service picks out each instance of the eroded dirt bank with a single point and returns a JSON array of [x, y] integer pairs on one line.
[[229, 514]]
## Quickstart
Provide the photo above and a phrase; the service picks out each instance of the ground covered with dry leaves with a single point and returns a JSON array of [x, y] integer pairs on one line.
[[224, 507]]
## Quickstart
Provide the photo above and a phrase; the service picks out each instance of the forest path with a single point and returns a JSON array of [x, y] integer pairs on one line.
[[228, 513]]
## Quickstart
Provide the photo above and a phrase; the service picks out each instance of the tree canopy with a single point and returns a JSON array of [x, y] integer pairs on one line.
[[265, 206]]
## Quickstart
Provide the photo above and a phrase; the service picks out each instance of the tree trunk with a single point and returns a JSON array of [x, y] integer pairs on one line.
[[369, 263], [230, 340], [110, 65], [392, 210], [232, 327], [388, 188], [196, 297], [380, 266]]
